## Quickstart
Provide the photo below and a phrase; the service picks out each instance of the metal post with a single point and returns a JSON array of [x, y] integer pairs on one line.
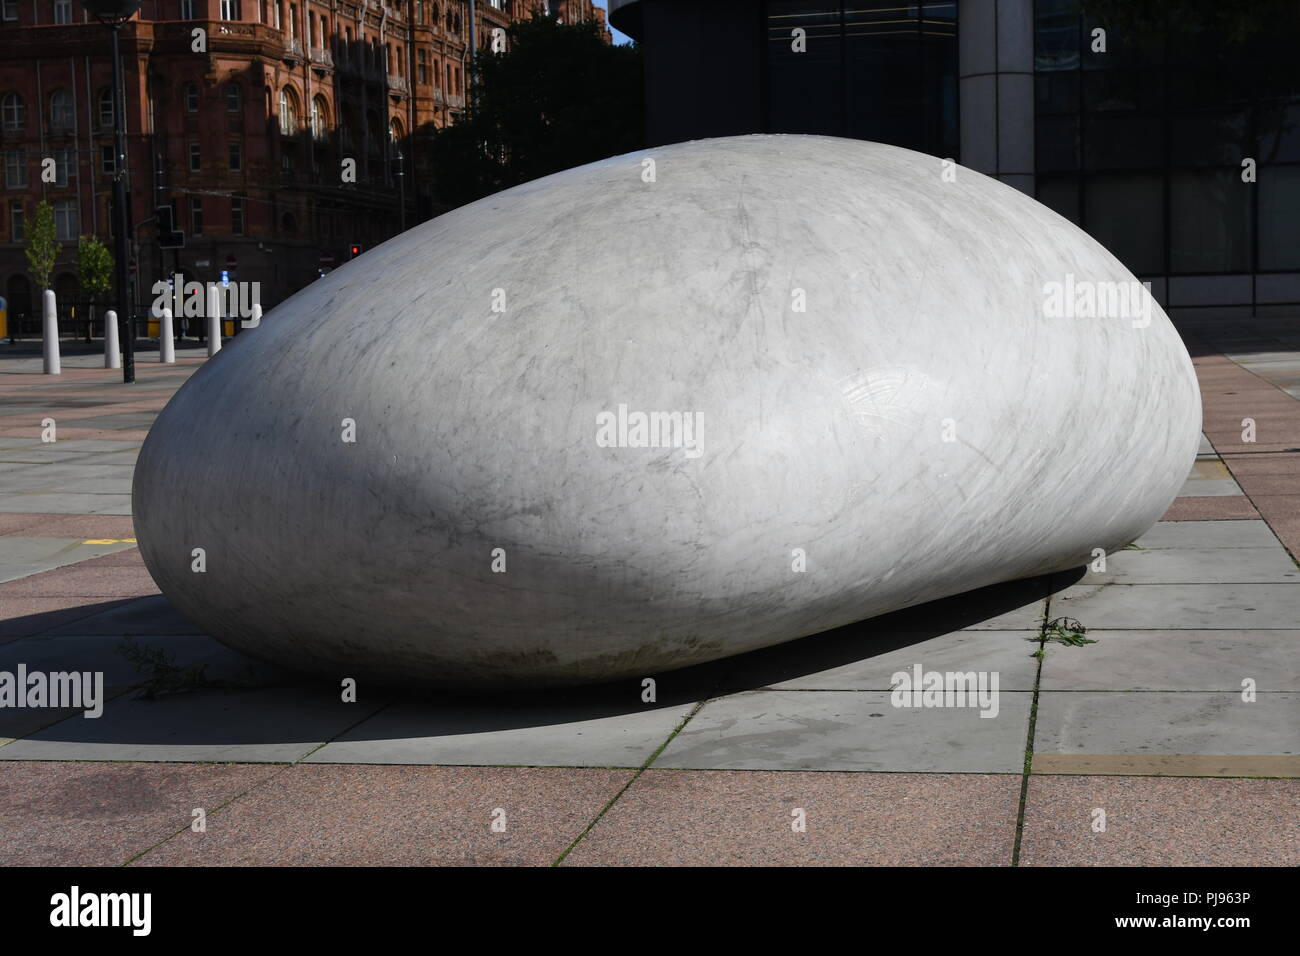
[[126, 327]]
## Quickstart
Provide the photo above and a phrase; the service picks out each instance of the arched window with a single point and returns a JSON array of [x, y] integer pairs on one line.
[[288, 112], [319, 118], [14, 113], [395, 130], [234, 98], [106, 108], [61, 116], [191, 98]]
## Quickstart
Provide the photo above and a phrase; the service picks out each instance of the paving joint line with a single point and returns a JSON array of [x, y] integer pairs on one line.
[[1033, 722], [284, 768], [634, 778]]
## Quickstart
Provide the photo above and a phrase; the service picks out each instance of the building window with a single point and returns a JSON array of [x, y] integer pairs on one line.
[[62, 11], [14, 113], [16, 221], [106, 108], [275, 13], [61, 115], [107, 160], [196, 158], [288, 112], [15, 169], [230, 9], [196, 216], [234, 99], [66, 224], [319, 113], [293, 20], [191, 98], [237, 215], [236, 158], [422, 66], [187, 9], [62, 166], [11, 9]]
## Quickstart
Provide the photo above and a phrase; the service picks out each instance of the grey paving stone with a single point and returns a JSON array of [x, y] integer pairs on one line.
[[1209, 534], [66, 504], [251, 726], [103, 655], [147, 615], [847, 730], [1180, 606], [571, 731], [1209, 488], [20, 557], [1007, 652], [1166, 723], [1206, 449], [1176, 661], [1196, 566]]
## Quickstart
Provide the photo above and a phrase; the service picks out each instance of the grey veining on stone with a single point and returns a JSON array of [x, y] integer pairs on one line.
[[820, 432]]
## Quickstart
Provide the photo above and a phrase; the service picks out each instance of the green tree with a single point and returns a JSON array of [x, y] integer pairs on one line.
[[42, 247], [558, 97], [94, 267]]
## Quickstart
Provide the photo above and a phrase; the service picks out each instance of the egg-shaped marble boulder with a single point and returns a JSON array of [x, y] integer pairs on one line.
[[662, 409]]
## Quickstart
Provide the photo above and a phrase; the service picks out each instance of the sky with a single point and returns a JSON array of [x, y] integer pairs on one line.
[[618, 37]]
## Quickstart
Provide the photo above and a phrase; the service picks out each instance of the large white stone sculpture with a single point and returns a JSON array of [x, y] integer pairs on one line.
[[867, 380]]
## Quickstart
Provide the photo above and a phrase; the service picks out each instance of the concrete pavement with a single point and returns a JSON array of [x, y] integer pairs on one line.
[[1175, 738]]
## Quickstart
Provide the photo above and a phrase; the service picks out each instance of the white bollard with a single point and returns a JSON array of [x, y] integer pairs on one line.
[[112, 354], [214, 319], [166, 344], [50, 330]]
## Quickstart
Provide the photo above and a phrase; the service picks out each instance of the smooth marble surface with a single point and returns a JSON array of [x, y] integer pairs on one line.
[[923, 426]]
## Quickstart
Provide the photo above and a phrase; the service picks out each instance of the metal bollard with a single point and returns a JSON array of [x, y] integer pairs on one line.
[[214, 319], [166, 345], [50, 330], [112, 353]]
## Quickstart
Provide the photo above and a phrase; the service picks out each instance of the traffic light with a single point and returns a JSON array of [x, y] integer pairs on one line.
[[354, 251]]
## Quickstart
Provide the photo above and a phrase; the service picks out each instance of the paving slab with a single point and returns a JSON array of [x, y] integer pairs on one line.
[[20, 557], [1207, 487], [1144, 723], [1224, 508], [1161, 822], [102, 814], [1197, 535], [577, 730], [883, 654], [1176, 661], [320, 815], [259, 725], [147, 615], [1180, 606], [1200, 566], [720, 818], [849, 730], [69, 503]]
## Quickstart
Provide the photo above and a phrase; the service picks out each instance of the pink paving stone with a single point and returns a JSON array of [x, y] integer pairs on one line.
[[67, 813], [67, 526], [1268, 465], [338, 815], [75, 434], [1211, 508], [88, 579], [743, 818], [1161, 821]]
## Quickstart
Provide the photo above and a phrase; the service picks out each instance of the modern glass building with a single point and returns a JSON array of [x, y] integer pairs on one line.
[[1174, 140]]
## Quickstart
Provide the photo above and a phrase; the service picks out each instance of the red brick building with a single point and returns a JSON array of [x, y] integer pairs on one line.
[[272, 128]]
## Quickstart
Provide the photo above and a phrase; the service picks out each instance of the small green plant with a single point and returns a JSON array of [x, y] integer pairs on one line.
[[161, 674], [1061, 630]]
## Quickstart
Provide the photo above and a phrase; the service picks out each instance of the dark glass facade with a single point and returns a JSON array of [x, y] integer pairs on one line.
[[884, 71], [1142, 145]]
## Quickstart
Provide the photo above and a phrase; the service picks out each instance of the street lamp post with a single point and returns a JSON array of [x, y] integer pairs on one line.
[[401, 190], [113, 13]]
